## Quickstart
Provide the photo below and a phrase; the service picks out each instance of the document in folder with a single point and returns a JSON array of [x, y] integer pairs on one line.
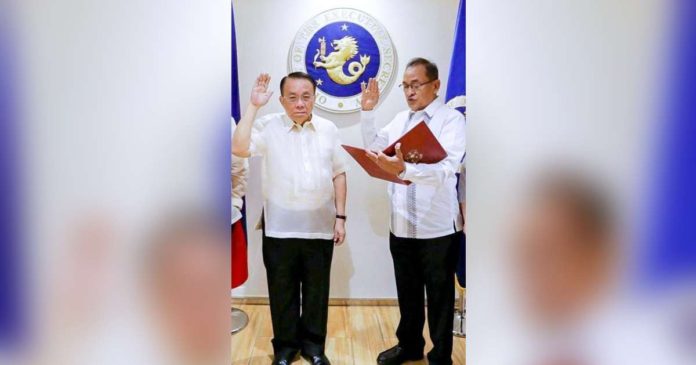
[[418, 145]]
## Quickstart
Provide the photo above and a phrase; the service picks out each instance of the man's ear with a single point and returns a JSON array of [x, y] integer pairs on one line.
[[436, 84]]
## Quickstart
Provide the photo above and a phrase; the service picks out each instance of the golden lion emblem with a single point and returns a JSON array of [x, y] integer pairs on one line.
[[344, 49]]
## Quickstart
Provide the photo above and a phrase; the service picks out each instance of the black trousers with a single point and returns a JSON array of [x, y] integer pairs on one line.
[[298, 272], [428, 263]]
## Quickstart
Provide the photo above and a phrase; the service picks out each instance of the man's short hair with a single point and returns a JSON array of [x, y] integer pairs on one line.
[[297, 75], [430, 68]]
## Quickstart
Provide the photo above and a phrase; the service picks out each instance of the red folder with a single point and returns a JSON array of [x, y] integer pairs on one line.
[[418, 145]]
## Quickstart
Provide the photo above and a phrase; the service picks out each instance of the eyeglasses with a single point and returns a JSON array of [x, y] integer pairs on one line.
[[416, 86], [292, 99]]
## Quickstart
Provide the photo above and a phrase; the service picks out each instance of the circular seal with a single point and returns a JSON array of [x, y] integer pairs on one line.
[[341, 49]]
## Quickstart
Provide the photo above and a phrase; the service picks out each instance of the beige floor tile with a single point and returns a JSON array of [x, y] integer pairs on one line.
[[356, 335]]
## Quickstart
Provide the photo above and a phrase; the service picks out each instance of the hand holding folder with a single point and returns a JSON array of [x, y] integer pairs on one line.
[[418, 145]]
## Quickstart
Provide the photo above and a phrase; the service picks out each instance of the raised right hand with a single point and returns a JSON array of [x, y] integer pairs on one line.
[[370, 95], [259, 93]]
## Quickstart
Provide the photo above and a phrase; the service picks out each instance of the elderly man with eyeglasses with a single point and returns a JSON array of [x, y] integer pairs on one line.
[[426, 221], [304, 193]]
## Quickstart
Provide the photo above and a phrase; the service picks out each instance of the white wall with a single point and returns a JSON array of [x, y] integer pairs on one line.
[[362, 267]]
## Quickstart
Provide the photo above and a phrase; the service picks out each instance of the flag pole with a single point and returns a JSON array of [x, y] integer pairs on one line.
[[239, 319], [456, 98]]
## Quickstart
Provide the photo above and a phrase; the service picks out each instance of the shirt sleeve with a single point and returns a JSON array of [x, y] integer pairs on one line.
[[453, 141], [339, 161], [239, 180], [238, 177], [461, 190], [373, 139], [257, 145]]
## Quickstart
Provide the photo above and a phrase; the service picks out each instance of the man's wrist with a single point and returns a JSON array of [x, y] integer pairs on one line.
[[341, 217]]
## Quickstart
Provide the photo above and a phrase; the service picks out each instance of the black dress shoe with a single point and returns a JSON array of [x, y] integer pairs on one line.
[[397, 355], [317, 359], [284, 359]]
